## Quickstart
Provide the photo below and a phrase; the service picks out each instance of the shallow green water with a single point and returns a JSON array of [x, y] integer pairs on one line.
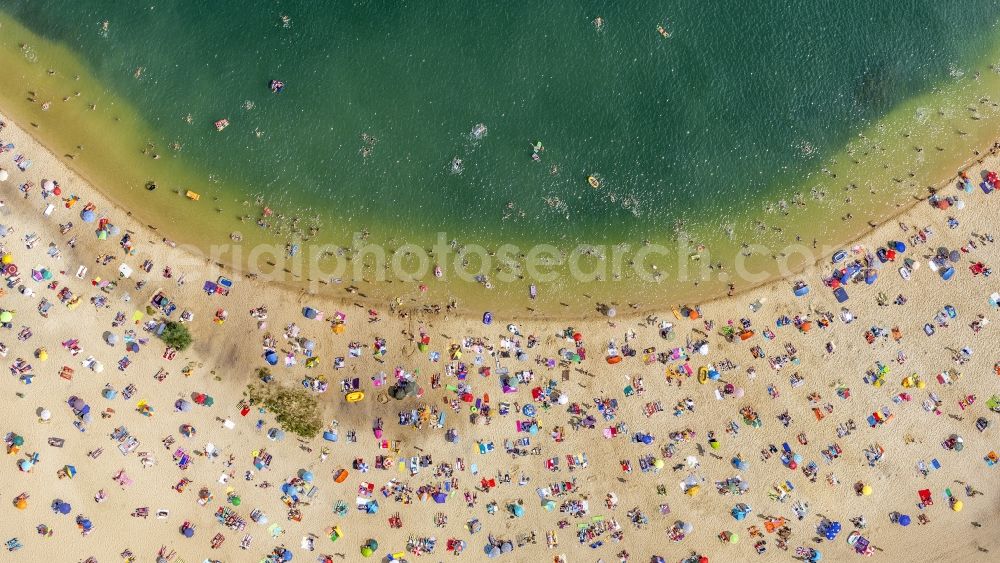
[[742, 105]]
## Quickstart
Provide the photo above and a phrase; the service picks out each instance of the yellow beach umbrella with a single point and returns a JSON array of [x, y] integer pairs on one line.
[[866, 490]]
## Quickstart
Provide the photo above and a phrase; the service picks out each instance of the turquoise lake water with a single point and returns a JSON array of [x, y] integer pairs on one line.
[[736, 107]]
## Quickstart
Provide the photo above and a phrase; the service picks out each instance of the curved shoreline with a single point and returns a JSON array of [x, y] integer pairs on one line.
[[297, 287]]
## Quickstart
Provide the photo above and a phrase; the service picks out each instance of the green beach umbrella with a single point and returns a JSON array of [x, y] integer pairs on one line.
[[6, 316], [18, 440], [366, 551], [236, 501], [372, 544]]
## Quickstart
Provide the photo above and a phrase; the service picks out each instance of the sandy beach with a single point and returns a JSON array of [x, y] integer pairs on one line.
[[590, 440]]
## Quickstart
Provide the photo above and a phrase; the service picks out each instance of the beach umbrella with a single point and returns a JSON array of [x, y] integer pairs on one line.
[[491, 550], [235, 500], [563, 399], [659, 463], [276, 434], [516, 509], [904, 520], [88, 216], [21, 503], [6, 316], [109, 393], [371, 507], [410, 388], [85, 523], [47, 185], [366, 551], [187, 430], [188, 531], [866, 490], [4, 229], [440, 497], [17, 440], [25, 465], [957, 506], [329, 436], [309, 313], [62, 507], [611, 312], [102, 235], [271, 357], [113, 230], [549, 505], [734, 538], [46, 274], [45, 415], [947, 273], [686, 527], [3, 175], [182, 405], [132, 347], [506, 547], [209, 401], [306, 476]]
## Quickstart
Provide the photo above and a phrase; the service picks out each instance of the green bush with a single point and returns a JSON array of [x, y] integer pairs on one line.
[[176, 336], [295, 408]]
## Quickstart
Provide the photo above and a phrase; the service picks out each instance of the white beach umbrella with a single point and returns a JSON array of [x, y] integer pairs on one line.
[[47, 185], [45, 415], [3, 175]]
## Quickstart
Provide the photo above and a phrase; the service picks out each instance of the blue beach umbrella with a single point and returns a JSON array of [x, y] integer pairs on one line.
[[271, 357], [88, 216]]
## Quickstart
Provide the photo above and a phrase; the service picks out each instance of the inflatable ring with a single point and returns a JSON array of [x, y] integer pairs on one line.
[[702, 374], [10, 269]]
